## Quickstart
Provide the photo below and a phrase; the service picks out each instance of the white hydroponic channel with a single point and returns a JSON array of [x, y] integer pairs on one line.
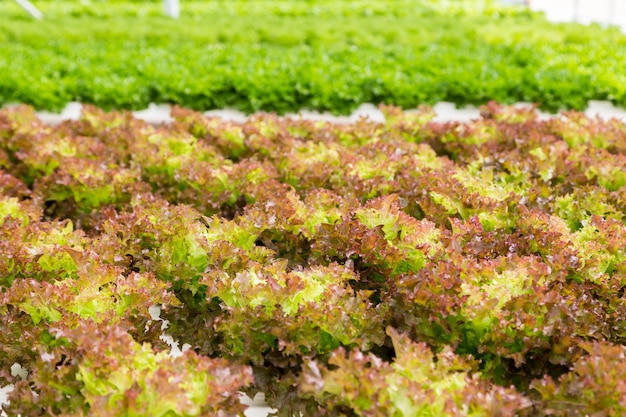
[[160, 113]]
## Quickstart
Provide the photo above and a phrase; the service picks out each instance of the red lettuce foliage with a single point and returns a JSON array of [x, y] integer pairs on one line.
[[406, 268]]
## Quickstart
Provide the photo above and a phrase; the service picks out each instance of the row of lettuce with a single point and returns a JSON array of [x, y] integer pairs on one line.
[[287, 56], [291, 8], [407, 268]]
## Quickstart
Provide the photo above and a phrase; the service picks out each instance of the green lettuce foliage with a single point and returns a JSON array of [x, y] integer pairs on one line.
[[122, 377], [594, 385], [284, 56], [415, 383], [293, 312], [278, 251]]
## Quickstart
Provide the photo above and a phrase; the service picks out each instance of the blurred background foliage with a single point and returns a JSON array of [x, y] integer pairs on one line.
[[287, 55]]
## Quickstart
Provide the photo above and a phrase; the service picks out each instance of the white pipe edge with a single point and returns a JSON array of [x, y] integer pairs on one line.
[[30, 9], [172, 8]]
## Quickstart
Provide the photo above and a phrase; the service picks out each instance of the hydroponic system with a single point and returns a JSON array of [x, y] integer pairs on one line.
[[405, 266]]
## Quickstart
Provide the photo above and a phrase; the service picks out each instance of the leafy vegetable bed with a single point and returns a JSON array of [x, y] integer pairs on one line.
[[289, 55], [404, 269]]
